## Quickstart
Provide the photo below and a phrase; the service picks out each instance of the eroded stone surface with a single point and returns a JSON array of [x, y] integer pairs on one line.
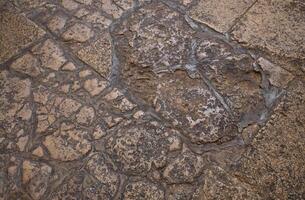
[[147, 103], [274, 164], [185, 168], [78, 33], [220, 185], [27, 64], [136, 147], [277, 26], [142, 190], [108, 179], [67, 143], [16, 32], [190, 105], [98, 55], [36, 176]]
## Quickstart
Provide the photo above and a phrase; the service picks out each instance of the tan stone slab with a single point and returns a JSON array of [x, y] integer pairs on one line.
[[221, 14], [275, 163], [275, 25], [16, 32], [98, 55]]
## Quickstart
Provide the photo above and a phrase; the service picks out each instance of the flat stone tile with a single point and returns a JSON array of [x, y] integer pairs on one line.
[[277, 26], [16, 32], [219, 15]]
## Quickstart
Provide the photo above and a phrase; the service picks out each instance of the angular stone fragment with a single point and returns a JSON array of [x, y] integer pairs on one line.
[[277, 76], [220, 185], [36, 177], [27, 64], [94, 86], [57, 23], [67, 143], [98, 167], [85, 115], [50, 55], [136, 147], [220, 15], [16, 33], [143, 190], [110, 8], [274, 25], [68, 107], [98, 55], [185, 168], [117, 99], [96, 18], [15, 111], [78, 33]]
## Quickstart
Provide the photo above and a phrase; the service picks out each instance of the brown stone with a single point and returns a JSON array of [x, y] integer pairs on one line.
[[27, 64], [277, 76], [220, 185], [67, 144], [143, 190], [68, 107], [36, 177], [50, 55], [220, 15], [98, 167], [274, 25], [273, 164], [94, 86], [98, 55], [185, 168], [86, 115], [78, 33], [136, 147], [16, 33]]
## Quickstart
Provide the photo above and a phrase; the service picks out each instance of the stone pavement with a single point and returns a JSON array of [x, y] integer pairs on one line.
[[152, 99]]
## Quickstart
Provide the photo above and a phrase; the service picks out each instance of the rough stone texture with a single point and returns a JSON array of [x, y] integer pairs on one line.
[[67, 143], [276, 26], [185, 168], [220, 15], [108, 179], [142, 190], [98, 55], [136, 99], [27, 64], [274, 164], [16, 33], [36, 176], [204, 119], [136, 148], [78, 33], [220, 185]]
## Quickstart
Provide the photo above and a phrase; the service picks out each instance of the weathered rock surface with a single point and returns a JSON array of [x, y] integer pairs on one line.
[[276, 26], [142, 99], [16, 33]]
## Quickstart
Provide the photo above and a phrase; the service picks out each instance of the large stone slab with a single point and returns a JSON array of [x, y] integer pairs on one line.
[[274, 25], [16, 32], [275, 163], [220, 15]]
